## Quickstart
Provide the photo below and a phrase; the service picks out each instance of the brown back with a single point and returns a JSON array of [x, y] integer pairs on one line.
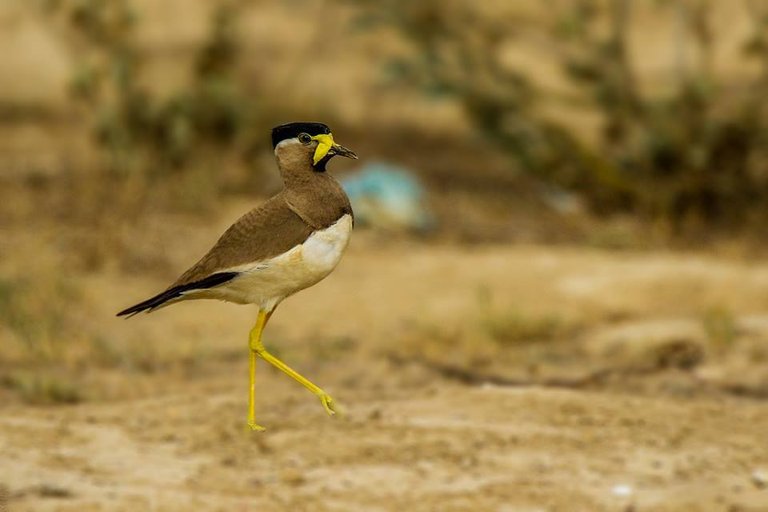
[[311, 201]]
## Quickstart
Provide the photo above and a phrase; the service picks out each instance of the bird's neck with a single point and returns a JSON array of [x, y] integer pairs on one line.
[[296, 169], [317, 187], [300, 177], [317, 198], [304, 179]]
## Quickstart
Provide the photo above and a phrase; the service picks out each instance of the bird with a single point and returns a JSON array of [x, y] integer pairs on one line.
[[288, 243]]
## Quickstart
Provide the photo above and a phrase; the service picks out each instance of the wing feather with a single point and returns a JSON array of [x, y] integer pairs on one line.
[[263, 233]]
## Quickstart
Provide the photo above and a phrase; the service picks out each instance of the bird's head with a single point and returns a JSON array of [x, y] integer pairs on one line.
[[302, 143]]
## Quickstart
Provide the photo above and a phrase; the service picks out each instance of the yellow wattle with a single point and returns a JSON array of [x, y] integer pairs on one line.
[[325, 143]]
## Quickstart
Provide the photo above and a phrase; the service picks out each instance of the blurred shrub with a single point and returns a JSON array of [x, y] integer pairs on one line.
[[145, 133], [36, 312], [720, 326], [52, 345], [38, 389], [510, 326], [695, 156], [515, 327]]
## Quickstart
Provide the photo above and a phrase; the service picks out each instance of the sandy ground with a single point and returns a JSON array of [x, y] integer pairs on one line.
[[506, 378], [632, 405]]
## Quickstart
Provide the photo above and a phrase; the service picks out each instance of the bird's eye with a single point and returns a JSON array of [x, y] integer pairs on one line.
[[304, 138]]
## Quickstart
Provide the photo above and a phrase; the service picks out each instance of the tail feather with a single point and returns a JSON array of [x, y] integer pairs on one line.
[[177, 291]]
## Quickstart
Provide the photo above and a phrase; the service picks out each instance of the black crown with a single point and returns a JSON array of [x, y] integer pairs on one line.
[[292, 130]]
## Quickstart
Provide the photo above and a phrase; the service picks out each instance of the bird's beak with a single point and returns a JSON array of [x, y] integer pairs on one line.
[[340, 150], [326, 146]]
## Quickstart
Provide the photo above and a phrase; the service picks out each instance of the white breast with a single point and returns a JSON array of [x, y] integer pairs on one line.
[[323, 249], [268, 282]]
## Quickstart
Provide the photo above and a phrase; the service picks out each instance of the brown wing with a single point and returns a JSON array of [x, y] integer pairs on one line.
[[264, 232]]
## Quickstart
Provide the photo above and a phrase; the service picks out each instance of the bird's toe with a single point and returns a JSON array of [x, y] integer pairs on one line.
[[328, 404]]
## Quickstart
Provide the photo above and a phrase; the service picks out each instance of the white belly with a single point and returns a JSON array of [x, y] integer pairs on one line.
[[268, 282]]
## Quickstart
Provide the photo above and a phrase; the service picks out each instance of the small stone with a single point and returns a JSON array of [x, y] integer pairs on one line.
[[293, 477], [53, 491], [651, 344], [760, 478], [622, 490]]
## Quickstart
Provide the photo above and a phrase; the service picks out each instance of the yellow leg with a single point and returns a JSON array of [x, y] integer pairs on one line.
[[261, 321], [258, 347]]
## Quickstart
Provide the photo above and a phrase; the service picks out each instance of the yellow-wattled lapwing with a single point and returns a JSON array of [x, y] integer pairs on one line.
[[289, 243]]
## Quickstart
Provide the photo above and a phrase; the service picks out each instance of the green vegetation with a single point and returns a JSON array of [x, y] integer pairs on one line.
[[514, 327], [720, 326], [36, 312], [684, 156], [39, 389], [152, 135], [690, 156]]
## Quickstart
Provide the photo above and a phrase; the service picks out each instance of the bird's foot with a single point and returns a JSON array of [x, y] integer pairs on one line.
[[328, 404], [255, 427]]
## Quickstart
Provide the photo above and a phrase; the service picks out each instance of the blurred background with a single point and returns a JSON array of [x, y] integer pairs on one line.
[[555, 297]]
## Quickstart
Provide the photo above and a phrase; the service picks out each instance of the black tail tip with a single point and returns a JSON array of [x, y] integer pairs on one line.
[[176, 292], [128, 313]]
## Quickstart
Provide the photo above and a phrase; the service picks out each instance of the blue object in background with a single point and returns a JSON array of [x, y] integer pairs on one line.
[[387, 196]]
